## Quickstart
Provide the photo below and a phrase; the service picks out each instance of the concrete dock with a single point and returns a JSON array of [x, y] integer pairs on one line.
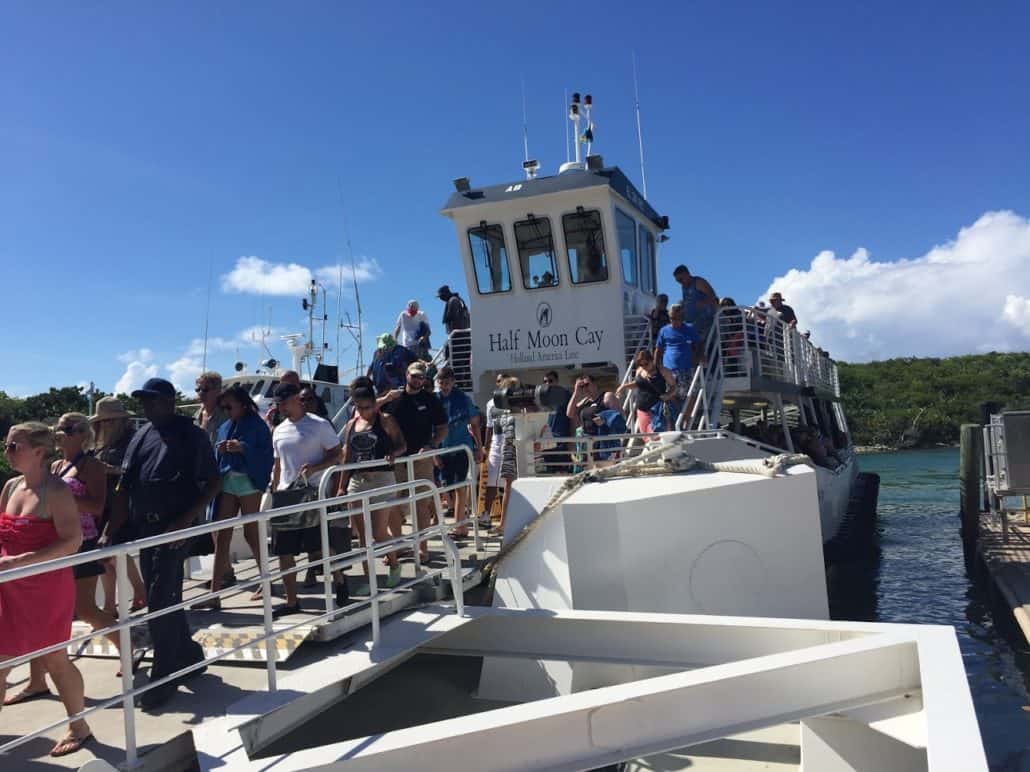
[[1008, 562]]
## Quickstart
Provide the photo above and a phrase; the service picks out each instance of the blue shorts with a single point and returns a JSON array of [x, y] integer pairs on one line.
[[455, 468]]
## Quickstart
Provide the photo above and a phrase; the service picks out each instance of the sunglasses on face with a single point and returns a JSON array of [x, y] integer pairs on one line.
[[307, 398], [548, 380], [11, 447]]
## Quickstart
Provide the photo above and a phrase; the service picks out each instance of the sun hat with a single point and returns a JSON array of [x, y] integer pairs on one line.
[[108, 409], [385, 340]]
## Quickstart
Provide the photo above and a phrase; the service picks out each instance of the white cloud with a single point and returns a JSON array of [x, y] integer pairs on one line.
[[136, 355], [136, 372], [183, 372], [969, 294], [255, 276], [365, 269], [1017, 313]]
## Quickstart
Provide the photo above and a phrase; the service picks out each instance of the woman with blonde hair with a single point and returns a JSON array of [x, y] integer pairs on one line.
[[112, 425], [39, 521]]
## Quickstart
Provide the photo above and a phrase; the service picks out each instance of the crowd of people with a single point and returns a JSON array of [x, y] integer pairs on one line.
[[91, 481]]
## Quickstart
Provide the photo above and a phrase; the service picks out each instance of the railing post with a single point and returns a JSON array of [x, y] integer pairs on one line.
[[370, 558], [271, 650], [121, 569], [409, 467], [327, 575]]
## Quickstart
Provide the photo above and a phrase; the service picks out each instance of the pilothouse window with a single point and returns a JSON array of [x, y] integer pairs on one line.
[[489, 259], [584, 243], [648, 272], [536, 253], [627, 228]]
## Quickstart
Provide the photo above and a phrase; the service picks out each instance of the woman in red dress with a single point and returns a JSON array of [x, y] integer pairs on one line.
[[39, 521]]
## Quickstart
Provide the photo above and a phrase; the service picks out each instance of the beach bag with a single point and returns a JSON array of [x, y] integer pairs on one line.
[[298, 492]]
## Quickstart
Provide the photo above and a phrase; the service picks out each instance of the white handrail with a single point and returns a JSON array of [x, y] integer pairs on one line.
[[368, 555]]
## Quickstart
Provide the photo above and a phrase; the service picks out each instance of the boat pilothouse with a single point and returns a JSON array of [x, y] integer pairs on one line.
[[561, 272]]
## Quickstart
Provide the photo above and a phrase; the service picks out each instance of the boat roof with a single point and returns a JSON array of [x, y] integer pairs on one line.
[[611, 177]]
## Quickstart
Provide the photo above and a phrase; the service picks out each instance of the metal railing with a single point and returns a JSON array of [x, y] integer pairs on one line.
[[751, 342], [568, 455], [416, 489], [457, 352]]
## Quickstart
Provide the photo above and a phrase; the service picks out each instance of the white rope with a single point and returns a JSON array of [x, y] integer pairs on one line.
[[669, 456]]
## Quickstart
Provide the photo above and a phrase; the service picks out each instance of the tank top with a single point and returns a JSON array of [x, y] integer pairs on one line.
[[369, 444], [649, 390], [78, 489], [698, 315]]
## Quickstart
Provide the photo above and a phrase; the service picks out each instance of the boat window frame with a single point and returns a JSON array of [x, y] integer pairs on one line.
[[257, 388], [644, 235], [505, 265], [633, 281], [530, 219], [580, 211]]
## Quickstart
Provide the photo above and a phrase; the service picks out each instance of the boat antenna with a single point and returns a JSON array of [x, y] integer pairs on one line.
[[640, 134], [525, 124], [207, 315], [357, 331], [565, 123], [529, 166]]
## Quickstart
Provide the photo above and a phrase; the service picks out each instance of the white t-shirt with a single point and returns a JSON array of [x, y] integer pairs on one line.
[[296, 443], [409, 327]]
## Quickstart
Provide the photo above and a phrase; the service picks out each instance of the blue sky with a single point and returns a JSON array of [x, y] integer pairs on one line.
[[141, 145]]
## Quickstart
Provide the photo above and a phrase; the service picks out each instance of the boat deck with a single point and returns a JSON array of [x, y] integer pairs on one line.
[[225, 682], [1009, 562]]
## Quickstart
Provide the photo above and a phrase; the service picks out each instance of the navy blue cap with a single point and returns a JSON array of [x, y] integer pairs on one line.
[[155, 387]]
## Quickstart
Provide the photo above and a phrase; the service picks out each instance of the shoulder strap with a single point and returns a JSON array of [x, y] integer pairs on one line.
[[129, 459]]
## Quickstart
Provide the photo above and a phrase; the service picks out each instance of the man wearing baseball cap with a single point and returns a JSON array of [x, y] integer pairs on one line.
[[169, 476]]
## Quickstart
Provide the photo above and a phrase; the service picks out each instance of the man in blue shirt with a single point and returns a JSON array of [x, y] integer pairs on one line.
[[675, 356], [462, 429]]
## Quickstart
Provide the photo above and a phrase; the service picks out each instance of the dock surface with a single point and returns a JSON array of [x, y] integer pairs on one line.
[[1009, 563]]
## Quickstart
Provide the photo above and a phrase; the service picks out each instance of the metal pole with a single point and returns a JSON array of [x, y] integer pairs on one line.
[[409, 467], [327, 575], [121, 568], [266, 601], [370, 558]]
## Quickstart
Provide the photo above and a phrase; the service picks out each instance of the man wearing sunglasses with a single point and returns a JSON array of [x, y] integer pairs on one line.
[[423, 422], [210, 416]]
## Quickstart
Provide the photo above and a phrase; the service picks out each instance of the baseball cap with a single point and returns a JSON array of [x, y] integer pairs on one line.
[[443, 292], [155, 387]]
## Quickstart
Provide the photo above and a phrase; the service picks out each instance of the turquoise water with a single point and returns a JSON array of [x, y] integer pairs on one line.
[[921, 577]]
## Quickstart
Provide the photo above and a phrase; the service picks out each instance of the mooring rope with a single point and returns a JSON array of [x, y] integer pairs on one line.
[[669, 456]]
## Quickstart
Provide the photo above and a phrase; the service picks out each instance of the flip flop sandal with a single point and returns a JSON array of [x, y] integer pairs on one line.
[[71, 745], [138, 605], [23, 696]]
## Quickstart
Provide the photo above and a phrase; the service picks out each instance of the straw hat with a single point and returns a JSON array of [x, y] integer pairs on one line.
[[109, 408]]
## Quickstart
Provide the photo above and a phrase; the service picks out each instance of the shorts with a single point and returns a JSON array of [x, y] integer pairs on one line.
[[421, 467], [93, 567], [301, 540], [362, 481], [455, 468], [493, 461], [644, 422], [238, 484]]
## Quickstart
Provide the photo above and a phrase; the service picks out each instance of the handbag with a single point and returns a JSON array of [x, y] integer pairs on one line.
[[296, 493]]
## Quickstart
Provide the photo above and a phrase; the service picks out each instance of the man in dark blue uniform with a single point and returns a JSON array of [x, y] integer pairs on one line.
[[169, 476]]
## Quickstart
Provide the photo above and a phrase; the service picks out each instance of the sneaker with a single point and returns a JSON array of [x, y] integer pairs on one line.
[[156, 697], [394, 577]]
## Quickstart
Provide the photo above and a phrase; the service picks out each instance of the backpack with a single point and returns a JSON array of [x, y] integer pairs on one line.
[[462, 320]]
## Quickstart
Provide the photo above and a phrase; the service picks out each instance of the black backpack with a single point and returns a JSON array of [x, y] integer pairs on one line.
[[462, 320]]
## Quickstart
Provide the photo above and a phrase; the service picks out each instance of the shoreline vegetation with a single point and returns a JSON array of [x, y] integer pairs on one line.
[[895, 404], [921, 403]]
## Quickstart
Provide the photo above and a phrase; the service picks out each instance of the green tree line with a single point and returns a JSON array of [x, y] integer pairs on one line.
[[883, 399], [51, 405]]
